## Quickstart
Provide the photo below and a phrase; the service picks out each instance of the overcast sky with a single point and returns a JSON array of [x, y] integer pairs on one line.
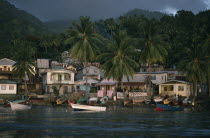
[[70, 9]]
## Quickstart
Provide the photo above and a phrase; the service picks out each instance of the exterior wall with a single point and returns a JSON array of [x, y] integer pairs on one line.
[[92, 72], [6, 89], [65, 86], [142, 77], [185, 92], [43, 63], [6, 67]]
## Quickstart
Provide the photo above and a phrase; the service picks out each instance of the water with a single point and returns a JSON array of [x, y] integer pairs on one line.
[[61, 121]]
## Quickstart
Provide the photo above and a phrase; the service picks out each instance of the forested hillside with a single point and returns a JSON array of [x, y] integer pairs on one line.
[[15, 23]]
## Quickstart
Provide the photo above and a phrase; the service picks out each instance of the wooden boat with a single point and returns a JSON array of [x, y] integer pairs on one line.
[[16, 106], [87, 107], [166, 101], [17, 101], [162, 107], [157, 100]]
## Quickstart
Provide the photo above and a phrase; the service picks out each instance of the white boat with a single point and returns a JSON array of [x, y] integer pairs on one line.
[[16, 106], [88, 107], [158, 99]]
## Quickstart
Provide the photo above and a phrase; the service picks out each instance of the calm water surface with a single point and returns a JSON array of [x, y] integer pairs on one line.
[[52, 121]]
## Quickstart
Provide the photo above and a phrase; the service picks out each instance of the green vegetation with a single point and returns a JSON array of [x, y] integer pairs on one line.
[[151, 34]]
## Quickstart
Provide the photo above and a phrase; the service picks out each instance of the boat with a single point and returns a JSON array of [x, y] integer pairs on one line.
[[157, 100], [166, 101], [16, 106], [162, 107], [87, 107], [17, 101]]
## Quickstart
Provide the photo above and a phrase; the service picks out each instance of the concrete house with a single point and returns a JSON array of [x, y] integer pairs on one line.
[[6, 68], [140, 79], [8, 87], [62, 79], [93, 72], [175, 87]]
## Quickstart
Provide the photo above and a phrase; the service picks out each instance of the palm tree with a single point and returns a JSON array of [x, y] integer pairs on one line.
[[194, 65], [84, 40], [119, 62], [24, 66], [153, 48], [207, 49]]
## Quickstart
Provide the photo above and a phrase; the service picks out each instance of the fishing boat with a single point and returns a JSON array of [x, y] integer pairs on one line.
[[87, 107], [162, 107], [16, 106], [157, 100], [17, 101]]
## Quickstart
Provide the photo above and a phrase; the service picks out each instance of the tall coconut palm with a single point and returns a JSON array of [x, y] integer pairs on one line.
[[24, 66], [84, 40], [119, 62], [152, 45], [207, 49], [194, 65]]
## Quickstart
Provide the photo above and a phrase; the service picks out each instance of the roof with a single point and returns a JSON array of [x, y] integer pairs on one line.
[[176, 82], [107, 82], [7, 82], [134, 83], [160, 72], [6, 61]]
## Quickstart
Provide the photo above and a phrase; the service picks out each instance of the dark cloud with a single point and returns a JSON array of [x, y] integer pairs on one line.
[[68, 9]]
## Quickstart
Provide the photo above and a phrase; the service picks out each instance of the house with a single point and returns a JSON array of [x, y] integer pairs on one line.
[[175, 87], [6, 68], [61, 79], [153, 68], [93, 72], [8, 87], [107, 88], [139, 81]]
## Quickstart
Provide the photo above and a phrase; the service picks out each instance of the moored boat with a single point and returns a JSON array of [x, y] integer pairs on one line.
[[157, 100], [88, 107], [16, 106], [162, 107], [17, 101]]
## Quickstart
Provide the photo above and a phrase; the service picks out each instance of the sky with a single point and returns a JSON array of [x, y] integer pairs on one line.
[[47, 10]]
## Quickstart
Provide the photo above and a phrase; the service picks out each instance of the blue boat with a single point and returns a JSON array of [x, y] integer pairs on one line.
[[162, 107]]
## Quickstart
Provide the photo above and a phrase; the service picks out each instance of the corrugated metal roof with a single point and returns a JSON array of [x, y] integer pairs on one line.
[[6, 61], [7, 82]]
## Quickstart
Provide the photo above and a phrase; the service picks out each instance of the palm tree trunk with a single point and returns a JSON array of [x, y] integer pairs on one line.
[[26, 88], [208, 79], [150, 93], [86, 89], [194, 92]]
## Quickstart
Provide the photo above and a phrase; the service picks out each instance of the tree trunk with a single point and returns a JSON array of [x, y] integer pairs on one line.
[[25, 86], [150, 93], [194, 92], [86, 78], [208, 80]]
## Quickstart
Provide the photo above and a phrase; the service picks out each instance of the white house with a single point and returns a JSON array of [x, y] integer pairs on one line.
[[62, 79], [8, 87], [93, 72], [6, 68], [175, 87]]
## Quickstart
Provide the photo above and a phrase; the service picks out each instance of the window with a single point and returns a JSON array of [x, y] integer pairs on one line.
[[66, 77], [0, 69], [153, 77], [180, 88], [59, 77], [53, 77], [5, 68], [3, 87], [165, 88], [11, 87]]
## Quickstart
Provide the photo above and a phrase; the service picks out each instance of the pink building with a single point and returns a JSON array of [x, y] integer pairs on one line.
[[106, 88]]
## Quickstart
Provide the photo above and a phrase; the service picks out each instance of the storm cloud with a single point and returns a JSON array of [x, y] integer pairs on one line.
[[70, 9]]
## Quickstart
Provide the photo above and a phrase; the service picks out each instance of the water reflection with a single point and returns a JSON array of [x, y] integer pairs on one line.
[[58, 121]]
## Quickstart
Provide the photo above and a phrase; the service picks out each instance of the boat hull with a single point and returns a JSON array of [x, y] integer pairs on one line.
[[87, 107], [162, 107], [16, 106]]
